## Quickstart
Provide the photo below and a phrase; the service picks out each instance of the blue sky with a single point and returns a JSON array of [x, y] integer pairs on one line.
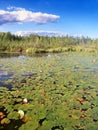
[[73, 17]]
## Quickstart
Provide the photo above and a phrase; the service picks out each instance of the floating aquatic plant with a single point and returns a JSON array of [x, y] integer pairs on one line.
[[60, 93], [5, 121], [25, 100], [21, 114]]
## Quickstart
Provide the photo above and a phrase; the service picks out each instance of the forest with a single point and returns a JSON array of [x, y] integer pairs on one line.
[[44, 44]]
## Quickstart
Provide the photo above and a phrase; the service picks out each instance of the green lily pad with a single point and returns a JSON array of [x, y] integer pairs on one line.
[[91, 126], [68, 128], [31, 125], [13, 115]]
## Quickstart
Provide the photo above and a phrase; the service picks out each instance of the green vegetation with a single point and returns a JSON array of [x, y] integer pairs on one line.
[[60, 90], [36, 44], [52, 91]]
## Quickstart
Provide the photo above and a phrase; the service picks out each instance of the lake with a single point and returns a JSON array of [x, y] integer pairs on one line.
[[61, 88], [16, 67]]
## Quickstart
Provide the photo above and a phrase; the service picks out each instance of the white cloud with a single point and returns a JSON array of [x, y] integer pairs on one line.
[[41, 33], [46, 33], [21, 15]]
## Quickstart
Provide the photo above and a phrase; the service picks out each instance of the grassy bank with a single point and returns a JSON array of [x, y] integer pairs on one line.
[[45, 44], [60, 49]]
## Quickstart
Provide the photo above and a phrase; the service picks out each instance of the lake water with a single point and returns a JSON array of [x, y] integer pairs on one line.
[[77, 66], [61, 90]]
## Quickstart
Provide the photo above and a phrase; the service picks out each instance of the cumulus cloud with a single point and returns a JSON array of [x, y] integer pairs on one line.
[[21, 15], [41, 33]]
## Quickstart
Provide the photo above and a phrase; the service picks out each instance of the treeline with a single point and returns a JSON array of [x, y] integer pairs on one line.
[[35, 43]]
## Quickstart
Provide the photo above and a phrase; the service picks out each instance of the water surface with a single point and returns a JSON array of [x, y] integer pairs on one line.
[[76, 65]]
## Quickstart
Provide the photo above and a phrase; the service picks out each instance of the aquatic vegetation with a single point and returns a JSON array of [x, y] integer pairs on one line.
[[21, 114], [57, 92]]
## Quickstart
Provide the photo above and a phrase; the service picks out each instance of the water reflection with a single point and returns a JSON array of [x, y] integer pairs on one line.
[[22, 56], [9, 55], [4, 75]]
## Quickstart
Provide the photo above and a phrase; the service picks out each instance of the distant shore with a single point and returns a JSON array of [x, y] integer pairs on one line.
[[43, 44]]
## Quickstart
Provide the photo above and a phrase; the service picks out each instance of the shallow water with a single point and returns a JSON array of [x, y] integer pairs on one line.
[[61, 90], [85, 66]]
